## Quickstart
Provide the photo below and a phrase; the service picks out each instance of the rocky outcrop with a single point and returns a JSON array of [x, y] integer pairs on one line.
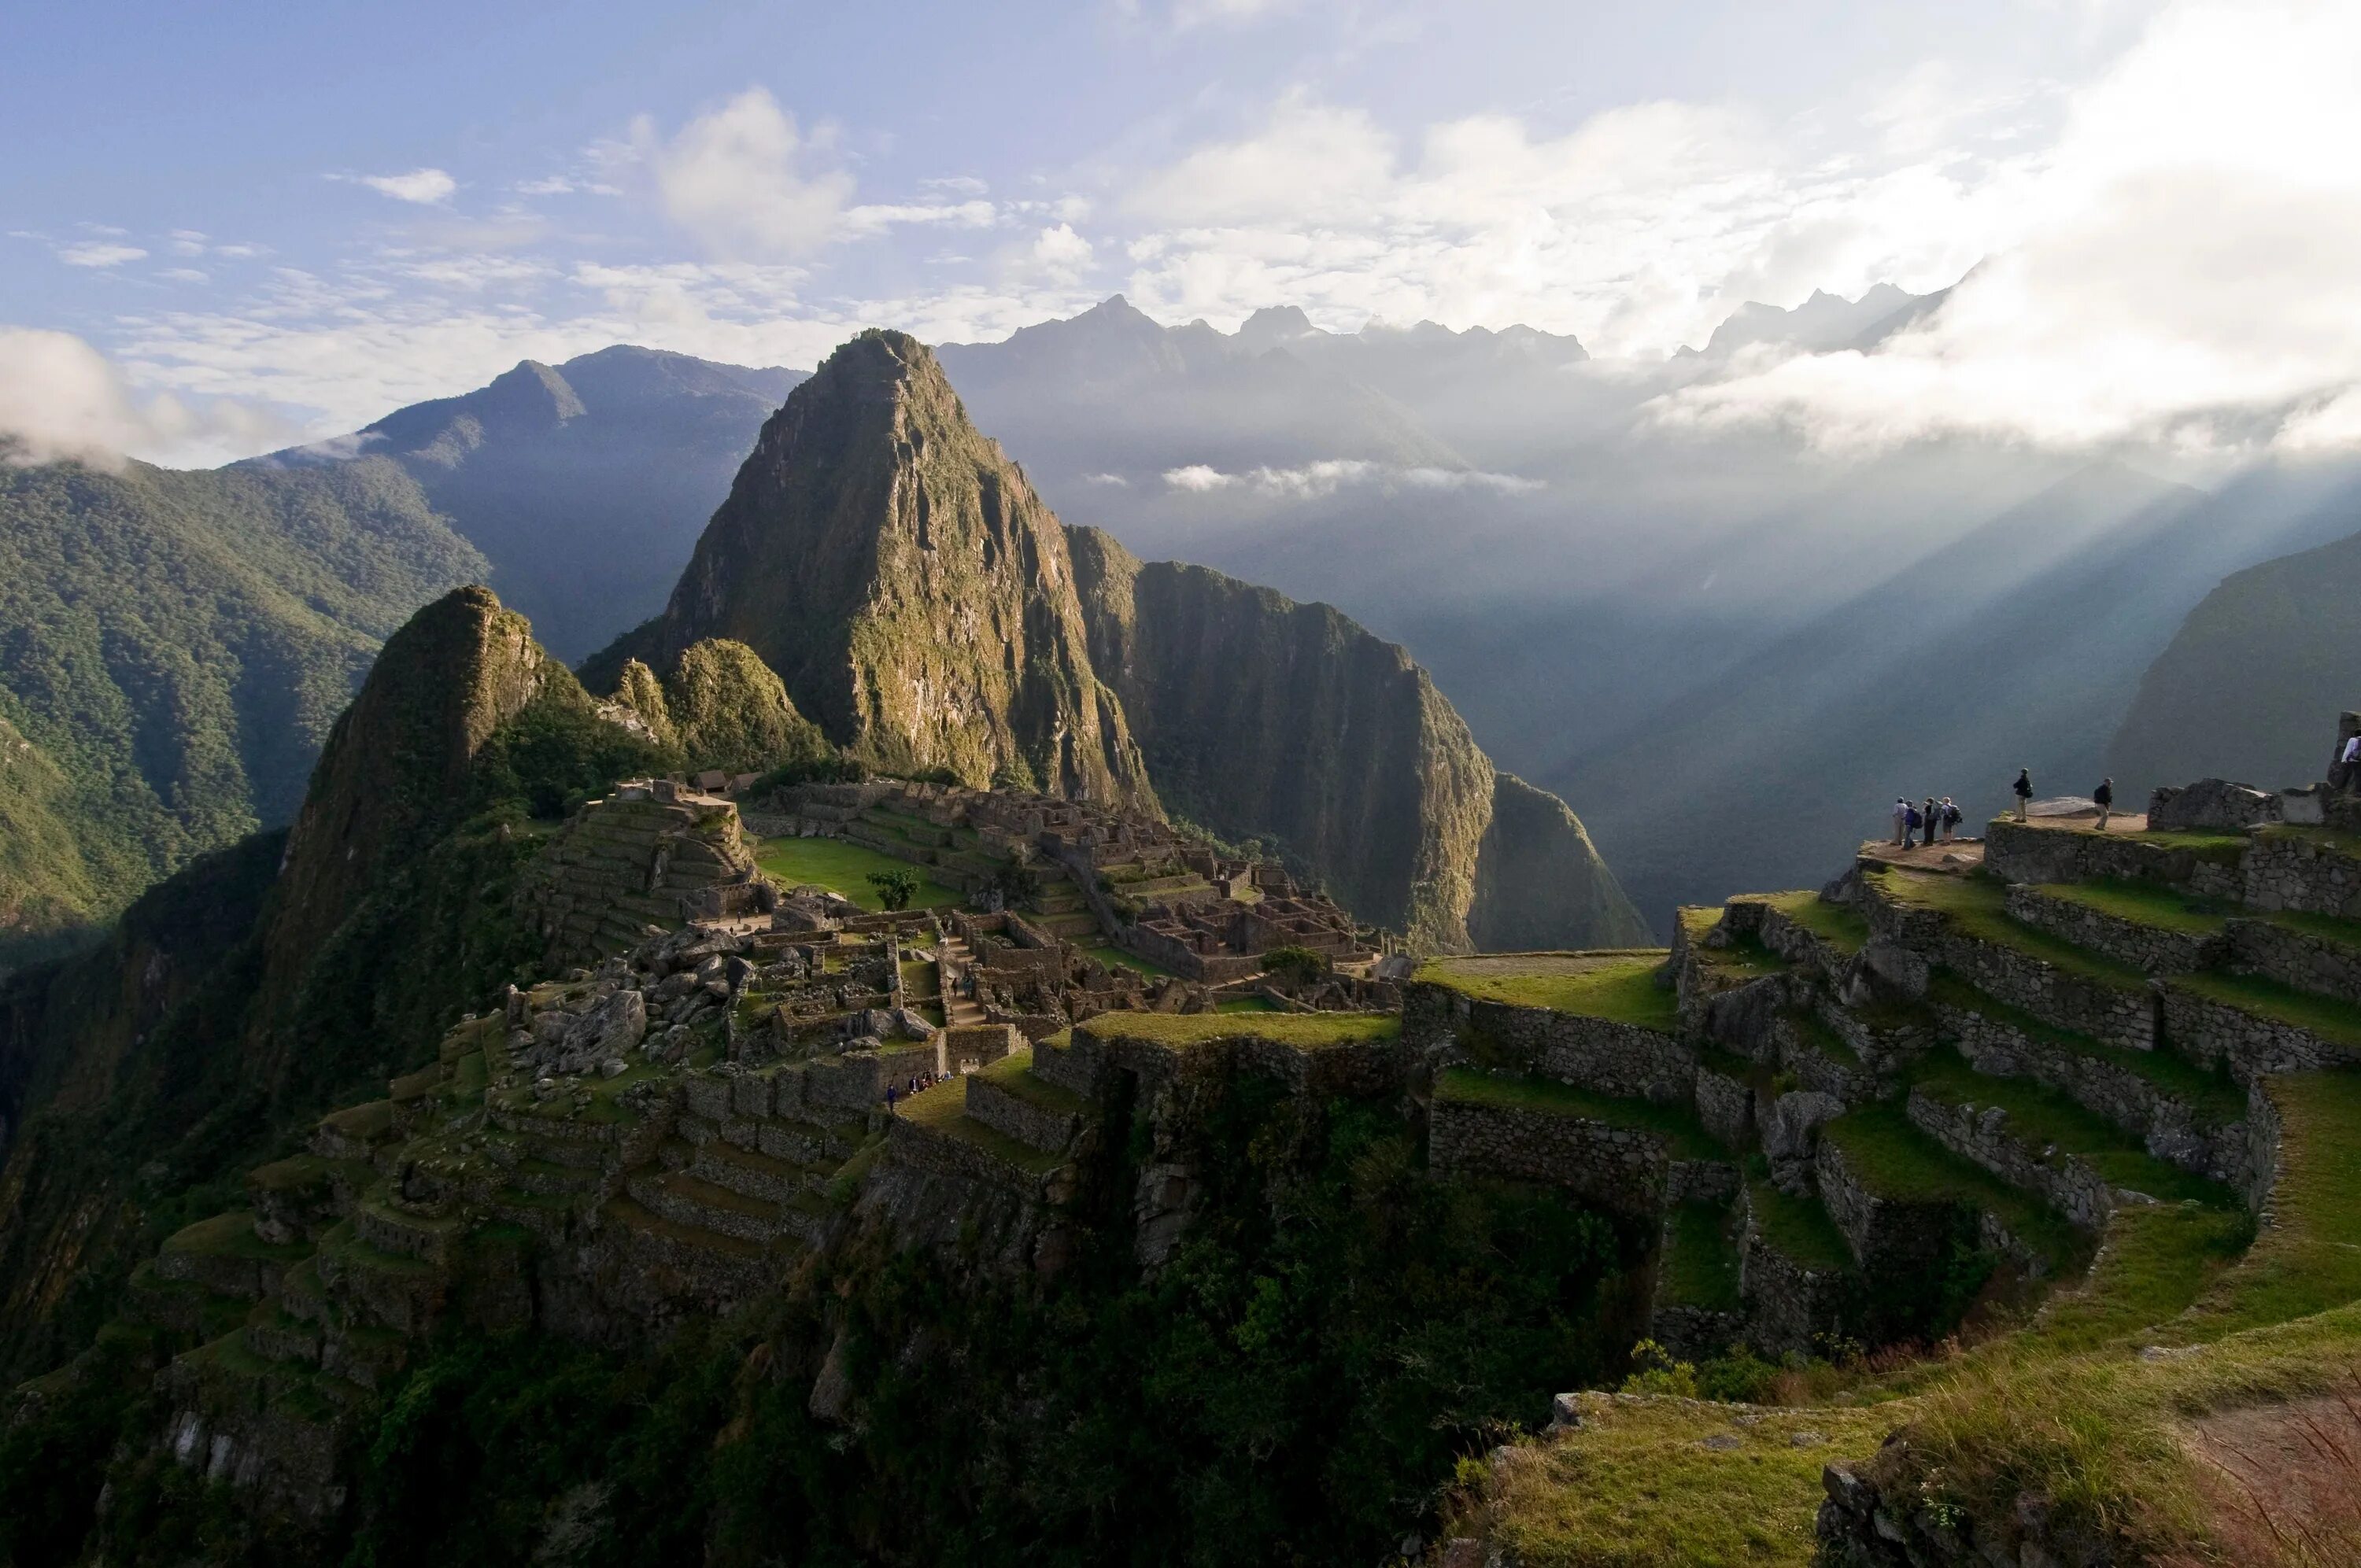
[[908, 585], [722, 707], [1262, 716]]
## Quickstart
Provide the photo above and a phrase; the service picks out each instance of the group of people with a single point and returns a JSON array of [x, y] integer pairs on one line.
[[2103, 798], [1928, 818], [914, 1084]]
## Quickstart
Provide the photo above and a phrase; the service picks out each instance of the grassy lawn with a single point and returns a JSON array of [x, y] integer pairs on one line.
[[1014, 1072], [2158, 1257], [943, 1109], [2142, 903], [920, 980], [1638, 1486], [844, 867], [2043, 1118], [2339, 1022], [1974, 906], [1307, 1031], [2323, 927], [1699, 1268], [1895, 1161], [1687, 1137], [1245, 1005], [1798, 1228], [1620, 987], [1832, 923]]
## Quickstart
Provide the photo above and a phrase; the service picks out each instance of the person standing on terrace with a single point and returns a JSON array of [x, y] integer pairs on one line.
[[2024, 789]]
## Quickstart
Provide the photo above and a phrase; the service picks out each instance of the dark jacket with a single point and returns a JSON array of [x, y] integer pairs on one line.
[[2103, 795], [2024, 786]]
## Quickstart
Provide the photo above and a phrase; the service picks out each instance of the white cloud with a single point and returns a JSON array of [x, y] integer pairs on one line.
[[182, 275], [99, 253], [242, 252], [957, 185], [1328, 475], [1111, 481], [552, 185], [60, 397], [1199, 477], [1063, 254], [2189, 272], [741, 180], [426, 187]]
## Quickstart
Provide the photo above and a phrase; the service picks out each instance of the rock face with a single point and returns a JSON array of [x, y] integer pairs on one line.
[[1259, 715], [911, 591]]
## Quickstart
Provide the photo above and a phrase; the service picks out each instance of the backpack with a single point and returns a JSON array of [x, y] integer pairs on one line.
[[1915, 820], [1951, 816]]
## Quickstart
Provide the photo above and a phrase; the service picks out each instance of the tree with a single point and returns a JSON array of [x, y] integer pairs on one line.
[[894, 888], [1295, 966]]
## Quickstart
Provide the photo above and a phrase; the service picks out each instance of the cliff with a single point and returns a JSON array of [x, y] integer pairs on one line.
[[899, 574], [1261, 715]]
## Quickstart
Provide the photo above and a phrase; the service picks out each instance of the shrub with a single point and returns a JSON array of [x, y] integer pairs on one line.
[[1295, 966], [894, 888]]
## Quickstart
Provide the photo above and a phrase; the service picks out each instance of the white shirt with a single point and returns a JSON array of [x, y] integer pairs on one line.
[[2353, 748]]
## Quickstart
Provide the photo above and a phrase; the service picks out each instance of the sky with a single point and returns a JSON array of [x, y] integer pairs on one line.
[[229, 228]]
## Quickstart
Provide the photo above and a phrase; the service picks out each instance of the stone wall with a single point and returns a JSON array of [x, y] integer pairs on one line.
[[1034, 1126], [2297, 958], [2297, 871], [1609, 1058], [1983, 1134], [2253, 1046], [2113, 1014], [2020, 852], [630, 861], [2142, 947], [1696, 1333], [1623, 1170], [1790, 1308], [2170, 1129], [1888, 1237], [1725, 1104]]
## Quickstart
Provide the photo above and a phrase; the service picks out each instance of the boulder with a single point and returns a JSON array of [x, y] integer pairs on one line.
[[2210, 804]]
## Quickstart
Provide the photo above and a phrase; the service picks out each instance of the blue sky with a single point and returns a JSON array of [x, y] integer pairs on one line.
[[267, 223]]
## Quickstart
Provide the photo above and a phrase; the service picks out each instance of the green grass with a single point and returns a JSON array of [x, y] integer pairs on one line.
[[1637, 1486], [2321, 927], [2213, 1096], [232, 1235], [2043, 1118], [2310, 1258], [1841, 926], [2338, 1022], [2330, 839], [921, 982], [1798, 1228], [844, 867], [2157, 1259], [1014, 1072], [1816, 1034], [1974, 907], [1307, 1031], [2219, 847], [943, 1109], [1746, 958], [1114, 956], [1685, 1137], [1894, 1160], [2142, 903], [1618, 987], [1699, 1268], [1245, 1005]]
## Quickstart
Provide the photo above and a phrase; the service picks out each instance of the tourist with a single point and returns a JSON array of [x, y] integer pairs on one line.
[[1911, 821], [1934, 820], [1901, 821], [1953, 816], [2103, 798], [2023, 790], [2342, 774], [889, 1100]]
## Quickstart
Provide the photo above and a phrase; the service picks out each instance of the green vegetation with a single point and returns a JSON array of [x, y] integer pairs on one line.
[[1699, 1266], [2324, 927], [1814, 1032], [1841, 926], [1895, 1160], [844, 867], [1974, 906], [1295, 966], [1014, 1073], [1619, 986], [2157, 1259], [894, 888], [2338, 1022], [1111, 956], [1798, 1228], [1305, 1031], [2143, 904], [1245, 1005], [1684, 1138], [2213, 1095]]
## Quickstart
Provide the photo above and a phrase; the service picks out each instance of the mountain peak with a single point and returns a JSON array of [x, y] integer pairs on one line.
[[1274, 325]]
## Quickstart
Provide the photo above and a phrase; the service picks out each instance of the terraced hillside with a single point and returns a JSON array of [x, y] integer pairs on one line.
[[2068, 1123]]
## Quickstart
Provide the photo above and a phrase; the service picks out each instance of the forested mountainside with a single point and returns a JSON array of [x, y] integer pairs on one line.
[[927, 611], [173, 648], [2238, 692], [583, 484]]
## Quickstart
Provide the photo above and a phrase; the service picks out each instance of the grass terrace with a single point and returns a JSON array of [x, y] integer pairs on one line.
[[943, 1109], [1014, 1072], [1699, 1268], [1617, 986], [1974, 906], [1797, 1228], [2214, 1096], [2334, 840], [1815, 1033], [1895, 1160], [2338, 1022], [2043, 1118], [2321, 927], [844, 868], [1832, 923], [2157, 1259], [1745, 958], [1685, 1136], [1114, 956], [1305, 1031], [2142, 903], [1663, 1483]]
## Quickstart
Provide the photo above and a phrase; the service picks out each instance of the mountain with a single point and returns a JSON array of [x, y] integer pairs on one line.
[[1258, 714], [173, 648], [1822, 322], [2240, 690], [925, 610], [584, 483], [242, 993]]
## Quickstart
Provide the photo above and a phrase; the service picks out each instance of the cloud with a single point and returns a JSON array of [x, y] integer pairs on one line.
[[182, 275], [552, 185], [744, 180], [956, 185], [1112, 481], [2188, 273], [1063, 254], [99, 253], [1313, 480], [60, 398], [427, 187]]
